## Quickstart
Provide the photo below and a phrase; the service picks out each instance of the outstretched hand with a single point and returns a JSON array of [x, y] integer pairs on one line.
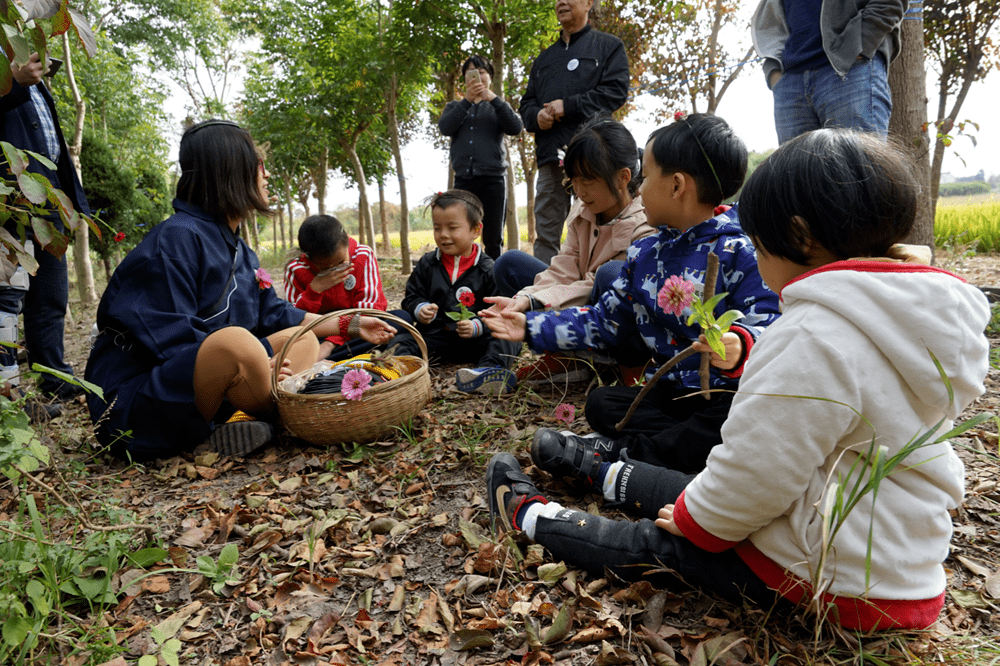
[[376, 331], [504, 323]]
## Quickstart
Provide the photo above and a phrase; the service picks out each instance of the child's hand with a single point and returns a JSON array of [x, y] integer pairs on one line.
[[321, 283], [376, 331], [666, 520], [466, 329], [286, 368], [734, 350], [426, 314], [505, 325]]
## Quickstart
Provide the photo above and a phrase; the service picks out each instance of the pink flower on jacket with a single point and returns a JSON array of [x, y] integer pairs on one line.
[[355, 383], [675, 295], [263, 278], [565, 413]]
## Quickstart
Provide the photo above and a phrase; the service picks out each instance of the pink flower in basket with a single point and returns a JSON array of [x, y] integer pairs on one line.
[[566, 413], [355, 383], [675, 295]]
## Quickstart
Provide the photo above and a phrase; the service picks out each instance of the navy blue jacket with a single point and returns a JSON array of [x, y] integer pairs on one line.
[[631, 303], [19, 126], [163, 300]]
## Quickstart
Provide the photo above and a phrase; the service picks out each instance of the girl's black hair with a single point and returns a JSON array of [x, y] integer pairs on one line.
[[473, 206], [707, 148], [599, 150], [849, 191], [477, 61], [321, 235], [219, 168]]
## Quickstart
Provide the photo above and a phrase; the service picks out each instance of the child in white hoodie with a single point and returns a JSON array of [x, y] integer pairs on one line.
[[861, 321]]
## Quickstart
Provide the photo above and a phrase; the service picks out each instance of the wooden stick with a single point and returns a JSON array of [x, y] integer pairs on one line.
[[649, 385], [711, 276]]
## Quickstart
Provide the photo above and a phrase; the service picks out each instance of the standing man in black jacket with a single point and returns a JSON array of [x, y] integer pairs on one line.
[[583, 73]]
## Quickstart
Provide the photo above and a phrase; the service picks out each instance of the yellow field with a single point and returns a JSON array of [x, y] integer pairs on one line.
[[967, 220]]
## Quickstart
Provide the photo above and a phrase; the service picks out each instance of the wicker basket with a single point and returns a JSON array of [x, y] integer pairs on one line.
[[332, 419]]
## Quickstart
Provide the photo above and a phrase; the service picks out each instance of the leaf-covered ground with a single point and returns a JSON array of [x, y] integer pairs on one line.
[[380, 554]]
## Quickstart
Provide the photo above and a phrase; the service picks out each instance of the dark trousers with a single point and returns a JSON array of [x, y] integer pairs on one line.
[[44, 310], [492, 191], [551, 208], [515, 270], [633, 550], [445, 345], [664, 431]]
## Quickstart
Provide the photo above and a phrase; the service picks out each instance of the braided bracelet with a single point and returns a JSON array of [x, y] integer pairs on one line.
[[354, 327]]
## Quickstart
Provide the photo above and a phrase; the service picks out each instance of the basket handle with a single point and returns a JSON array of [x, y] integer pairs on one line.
[[380, 314]]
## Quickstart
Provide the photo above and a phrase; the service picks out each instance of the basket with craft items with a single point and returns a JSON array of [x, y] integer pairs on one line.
[[372, 393]]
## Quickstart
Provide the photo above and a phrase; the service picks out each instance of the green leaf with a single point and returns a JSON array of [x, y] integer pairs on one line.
[[91, 588], [46, 162], [454, 316], [147, 557], [206, 565], [714, 337], [229, 556], [727, 319], [33, 187], [148, 660], [39, 599], [15, 630], [712, 302]]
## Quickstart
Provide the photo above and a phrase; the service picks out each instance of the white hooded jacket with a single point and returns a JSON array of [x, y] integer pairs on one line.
[[861, 333]]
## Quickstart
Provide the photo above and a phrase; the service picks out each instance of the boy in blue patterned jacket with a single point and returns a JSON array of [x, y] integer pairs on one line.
[[689, 167]]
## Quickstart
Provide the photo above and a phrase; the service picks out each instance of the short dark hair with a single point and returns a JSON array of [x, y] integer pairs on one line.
[[477, 61], [321, 235], [219, 167], [599, 150], [707, 148], [854, 194], [449, 198]]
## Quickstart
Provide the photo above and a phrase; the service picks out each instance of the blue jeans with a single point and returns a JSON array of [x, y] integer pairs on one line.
[[44, 310], [514, 270], [816, 98]]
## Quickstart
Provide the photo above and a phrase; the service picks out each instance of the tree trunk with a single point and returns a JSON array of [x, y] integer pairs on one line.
[[908, 83], [513, 230], [362, 228], [383, 217], [529, 168], [81, 246], [364, 209], [291, 210], [319, 179], [252, 224], [404, 209]]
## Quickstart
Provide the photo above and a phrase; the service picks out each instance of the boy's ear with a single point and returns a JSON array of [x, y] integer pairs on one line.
[[477, 230], [803, 239]]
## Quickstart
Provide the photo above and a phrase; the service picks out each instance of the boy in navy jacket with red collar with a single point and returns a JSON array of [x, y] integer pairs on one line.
[[445, 292]]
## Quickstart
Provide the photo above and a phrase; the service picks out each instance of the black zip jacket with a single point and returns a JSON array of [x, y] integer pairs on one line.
[[590, 75], [429, 283], [476, 132]]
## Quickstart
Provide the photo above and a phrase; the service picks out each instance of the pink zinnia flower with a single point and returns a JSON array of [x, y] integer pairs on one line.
[[120, 236], [263, 278], [679, 115], [565, 412], [467, 298], [355, 383], [675, 295]]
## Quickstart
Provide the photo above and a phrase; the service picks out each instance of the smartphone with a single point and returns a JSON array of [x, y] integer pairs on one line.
[[54, 65], [472, 76]]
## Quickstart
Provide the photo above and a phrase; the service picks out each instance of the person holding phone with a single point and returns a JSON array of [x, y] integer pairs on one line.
[[477, 124]]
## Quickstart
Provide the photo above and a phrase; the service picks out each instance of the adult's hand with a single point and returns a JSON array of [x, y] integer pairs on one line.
[[31, 73], [473, 92], [545, 118], [556, 109]]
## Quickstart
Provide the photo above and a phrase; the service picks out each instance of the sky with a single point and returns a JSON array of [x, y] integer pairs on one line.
[[747, 106]]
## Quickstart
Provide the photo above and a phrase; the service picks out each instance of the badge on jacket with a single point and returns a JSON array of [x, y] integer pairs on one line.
[[572, 64], [350, 282]]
